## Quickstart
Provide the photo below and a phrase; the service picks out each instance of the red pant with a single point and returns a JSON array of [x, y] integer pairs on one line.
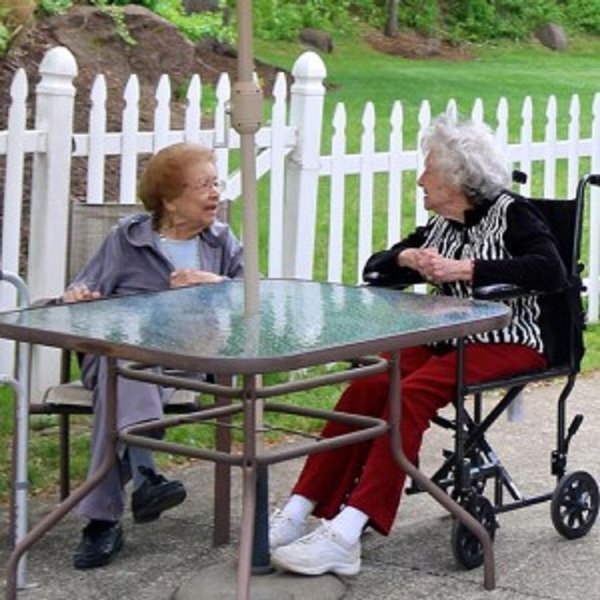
[[365, 475]]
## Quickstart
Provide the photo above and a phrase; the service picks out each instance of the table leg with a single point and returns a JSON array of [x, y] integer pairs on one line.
[[261, 559], [422, 480], [248, 487]]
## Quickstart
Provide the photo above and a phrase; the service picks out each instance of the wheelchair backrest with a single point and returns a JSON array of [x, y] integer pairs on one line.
[[564, 310]]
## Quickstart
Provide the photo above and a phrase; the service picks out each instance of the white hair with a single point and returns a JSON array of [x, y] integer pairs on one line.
[[468, 157]]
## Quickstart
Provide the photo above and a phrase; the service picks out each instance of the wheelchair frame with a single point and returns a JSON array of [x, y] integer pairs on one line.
[[466, 469]]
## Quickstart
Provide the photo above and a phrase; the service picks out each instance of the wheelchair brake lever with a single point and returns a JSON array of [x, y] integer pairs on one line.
[[573, 428]]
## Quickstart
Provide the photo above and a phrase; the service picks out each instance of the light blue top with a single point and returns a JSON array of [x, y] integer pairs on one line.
[[182, 253]]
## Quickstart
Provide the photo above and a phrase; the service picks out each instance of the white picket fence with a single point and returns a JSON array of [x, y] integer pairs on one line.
[[288, 156]]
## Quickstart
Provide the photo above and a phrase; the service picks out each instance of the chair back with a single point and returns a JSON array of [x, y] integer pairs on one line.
[[564, 310], [90, 224]]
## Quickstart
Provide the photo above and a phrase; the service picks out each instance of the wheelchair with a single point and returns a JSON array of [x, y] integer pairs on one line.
[[472, 464]]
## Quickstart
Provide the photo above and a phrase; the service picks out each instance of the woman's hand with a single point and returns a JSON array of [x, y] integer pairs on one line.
[[434, 267], [79, 293], [183, 277]]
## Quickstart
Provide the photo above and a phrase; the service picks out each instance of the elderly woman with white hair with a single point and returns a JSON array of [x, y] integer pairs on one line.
[[479, 233]]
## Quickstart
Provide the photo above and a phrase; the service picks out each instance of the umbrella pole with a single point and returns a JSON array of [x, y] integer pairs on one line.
[[246, 116], [246, 113]]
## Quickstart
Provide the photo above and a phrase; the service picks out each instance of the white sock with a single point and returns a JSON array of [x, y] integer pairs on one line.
[[298, 508], [349, 524]]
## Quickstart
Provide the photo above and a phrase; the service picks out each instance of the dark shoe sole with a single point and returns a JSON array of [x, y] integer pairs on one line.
[[152, 510], [91, 562]]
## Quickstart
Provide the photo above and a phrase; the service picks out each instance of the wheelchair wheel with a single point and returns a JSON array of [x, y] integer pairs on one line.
[[574, 505], [467, 549]]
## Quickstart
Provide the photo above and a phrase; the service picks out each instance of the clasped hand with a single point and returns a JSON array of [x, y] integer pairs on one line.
[[183, 277], [434, 267]]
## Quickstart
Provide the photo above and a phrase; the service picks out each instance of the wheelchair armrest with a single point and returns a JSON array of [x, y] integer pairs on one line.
[[500, 291], [376, 279]]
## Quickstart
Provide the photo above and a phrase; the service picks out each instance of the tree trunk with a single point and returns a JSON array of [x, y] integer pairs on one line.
[[391, 25]]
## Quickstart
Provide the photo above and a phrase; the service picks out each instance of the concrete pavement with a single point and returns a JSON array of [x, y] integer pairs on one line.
[[173, 557]]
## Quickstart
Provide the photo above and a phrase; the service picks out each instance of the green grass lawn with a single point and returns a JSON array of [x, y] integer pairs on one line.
[[357, 74]]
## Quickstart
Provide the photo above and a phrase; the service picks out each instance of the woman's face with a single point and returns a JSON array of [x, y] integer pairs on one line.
[[199, 199], [441, 197]]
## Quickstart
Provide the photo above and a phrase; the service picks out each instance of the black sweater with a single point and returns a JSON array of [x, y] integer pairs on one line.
[[509, 242]]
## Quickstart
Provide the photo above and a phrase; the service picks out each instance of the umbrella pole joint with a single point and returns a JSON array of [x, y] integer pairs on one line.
[[246, 107]]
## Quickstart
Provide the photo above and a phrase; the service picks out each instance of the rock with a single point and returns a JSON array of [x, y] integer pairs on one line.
[[197, 6], [552, 36], [317, 38]]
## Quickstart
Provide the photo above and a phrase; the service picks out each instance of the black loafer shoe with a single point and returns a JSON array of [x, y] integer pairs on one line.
[[100, 542], [154, 496]]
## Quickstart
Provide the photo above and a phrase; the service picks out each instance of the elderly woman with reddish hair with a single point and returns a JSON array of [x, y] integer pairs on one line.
[[178, 242]]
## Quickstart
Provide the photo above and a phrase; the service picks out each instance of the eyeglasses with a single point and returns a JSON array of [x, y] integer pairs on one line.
[[207, 186]]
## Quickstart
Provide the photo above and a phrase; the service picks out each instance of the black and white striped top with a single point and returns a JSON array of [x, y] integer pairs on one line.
[[509, 242]]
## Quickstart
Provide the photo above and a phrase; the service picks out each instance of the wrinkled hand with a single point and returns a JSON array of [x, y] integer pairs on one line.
[[436, 268], [79, 293], [183, 277]]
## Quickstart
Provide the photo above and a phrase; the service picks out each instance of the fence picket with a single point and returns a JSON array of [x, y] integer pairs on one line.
[[573, 143], [337, 194], [477, 111], [13, 202], [129, 151], [394, 200], [277, 156], [502, 123], [193, 112], [97, 133], [526, 141], [593, 258], [162, 114], [365, 211], [550, 146], [424, 121]]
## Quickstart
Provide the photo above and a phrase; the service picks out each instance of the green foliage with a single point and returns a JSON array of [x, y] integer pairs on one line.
[[150, 4], [484, 20], [283, 19], [196, 26], [422, 15], [55, 7], [583, 15], [481, 20], [5, 37], [117, 15]]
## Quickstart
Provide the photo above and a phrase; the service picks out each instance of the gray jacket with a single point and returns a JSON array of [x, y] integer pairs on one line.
[[130, 259]]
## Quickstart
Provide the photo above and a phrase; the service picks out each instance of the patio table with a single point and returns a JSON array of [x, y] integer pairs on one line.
[[203, 329]]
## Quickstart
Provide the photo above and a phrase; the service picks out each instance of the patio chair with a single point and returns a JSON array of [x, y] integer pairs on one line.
[[89, 224]]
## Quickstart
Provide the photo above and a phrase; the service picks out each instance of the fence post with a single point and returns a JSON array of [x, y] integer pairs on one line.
[[302, 166], [50, 187]]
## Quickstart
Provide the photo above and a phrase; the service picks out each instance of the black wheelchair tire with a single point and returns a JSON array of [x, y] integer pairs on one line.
[[466, 547], [574, 504]]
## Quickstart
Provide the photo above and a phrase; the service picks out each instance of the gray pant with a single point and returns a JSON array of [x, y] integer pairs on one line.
[[136, 402]]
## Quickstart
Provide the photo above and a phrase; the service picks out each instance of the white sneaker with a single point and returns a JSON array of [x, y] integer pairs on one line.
[[284, 530], [321, 551]]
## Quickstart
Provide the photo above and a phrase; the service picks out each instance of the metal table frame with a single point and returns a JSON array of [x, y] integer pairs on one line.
[[251, 460]]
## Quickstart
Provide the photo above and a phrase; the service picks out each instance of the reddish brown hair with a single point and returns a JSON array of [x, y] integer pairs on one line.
[[162, 178]]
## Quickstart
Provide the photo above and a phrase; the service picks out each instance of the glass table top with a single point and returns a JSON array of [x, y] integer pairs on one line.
[[299, 323]]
